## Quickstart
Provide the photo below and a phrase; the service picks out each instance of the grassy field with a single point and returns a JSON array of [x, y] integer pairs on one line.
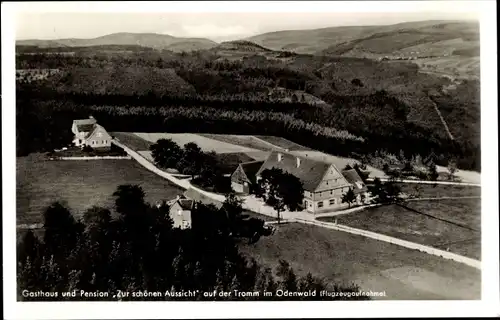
[[132, 141], [283, 143], [206, 144], [439, 190], [456, 225], [80, 184], [374, 265], [240, 140]]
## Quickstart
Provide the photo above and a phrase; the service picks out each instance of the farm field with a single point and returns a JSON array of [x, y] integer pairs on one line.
[[206, 144], [374, 265], [283, 143], [132, 141], [439, 190], [460, 228], [240, 140], [80, 184]]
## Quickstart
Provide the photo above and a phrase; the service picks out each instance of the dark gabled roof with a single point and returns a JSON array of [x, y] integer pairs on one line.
[[310, 172], [198, 197], [84, 121], [186, 204], [85, 127], [353, 178], [251, 168]]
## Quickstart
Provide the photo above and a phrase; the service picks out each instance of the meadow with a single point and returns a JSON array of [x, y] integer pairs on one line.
[[283, 143], [132, 141], [206, 144], [374, 265], [80, 184], [439, 190], [241, 140], [452, 225]]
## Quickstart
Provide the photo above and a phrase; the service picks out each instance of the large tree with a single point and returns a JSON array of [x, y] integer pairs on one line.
[[192, 160], [349, 197], [281, 190], [388, 192], [166, 153], [61, 229]]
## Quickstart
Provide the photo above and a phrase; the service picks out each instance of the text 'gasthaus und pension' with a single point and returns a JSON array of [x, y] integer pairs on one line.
[[196, 293]]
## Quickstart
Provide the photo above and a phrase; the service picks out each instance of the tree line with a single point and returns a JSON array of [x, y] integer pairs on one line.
[[203, 167], [132, 247]]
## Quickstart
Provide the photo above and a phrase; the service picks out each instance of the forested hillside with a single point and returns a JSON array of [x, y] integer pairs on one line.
[[367, 105]]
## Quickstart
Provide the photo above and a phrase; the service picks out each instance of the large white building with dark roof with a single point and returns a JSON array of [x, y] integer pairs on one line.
[[324, 185]]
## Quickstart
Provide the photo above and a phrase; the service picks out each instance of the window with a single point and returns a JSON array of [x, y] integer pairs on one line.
[[331, 191], [99, 134], [359, 185], [310, 204], [93, 141], [179, 212], [332, 202], [320, 204]]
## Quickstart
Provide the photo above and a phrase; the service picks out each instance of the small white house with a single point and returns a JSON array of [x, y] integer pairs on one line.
[[88, 133]]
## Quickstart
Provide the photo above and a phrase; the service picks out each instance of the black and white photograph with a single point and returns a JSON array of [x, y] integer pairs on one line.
[[228, 157]]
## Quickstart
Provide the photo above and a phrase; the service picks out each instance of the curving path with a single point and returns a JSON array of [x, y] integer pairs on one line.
[[253, 204]]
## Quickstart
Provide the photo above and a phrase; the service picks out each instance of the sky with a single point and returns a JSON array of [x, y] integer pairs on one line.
[[229, 23]]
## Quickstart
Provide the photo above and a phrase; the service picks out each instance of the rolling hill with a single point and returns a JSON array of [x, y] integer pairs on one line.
[[441, 47], [377, 39], [151, 40]]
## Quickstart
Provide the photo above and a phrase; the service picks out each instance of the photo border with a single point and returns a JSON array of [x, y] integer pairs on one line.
[[487, 306]]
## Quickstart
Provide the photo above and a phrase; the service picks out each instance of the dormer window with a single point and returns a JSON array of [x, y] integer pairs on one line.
[[280, 157]]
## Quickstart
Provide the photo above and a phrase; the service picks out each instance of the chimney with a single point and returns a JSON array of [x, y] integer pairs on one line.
[[280, 157], [298, 162]]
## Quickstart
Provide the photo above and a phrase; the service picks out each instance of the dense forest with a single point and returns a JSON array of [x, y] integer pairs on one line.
[[133, 248], [367, 106]]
